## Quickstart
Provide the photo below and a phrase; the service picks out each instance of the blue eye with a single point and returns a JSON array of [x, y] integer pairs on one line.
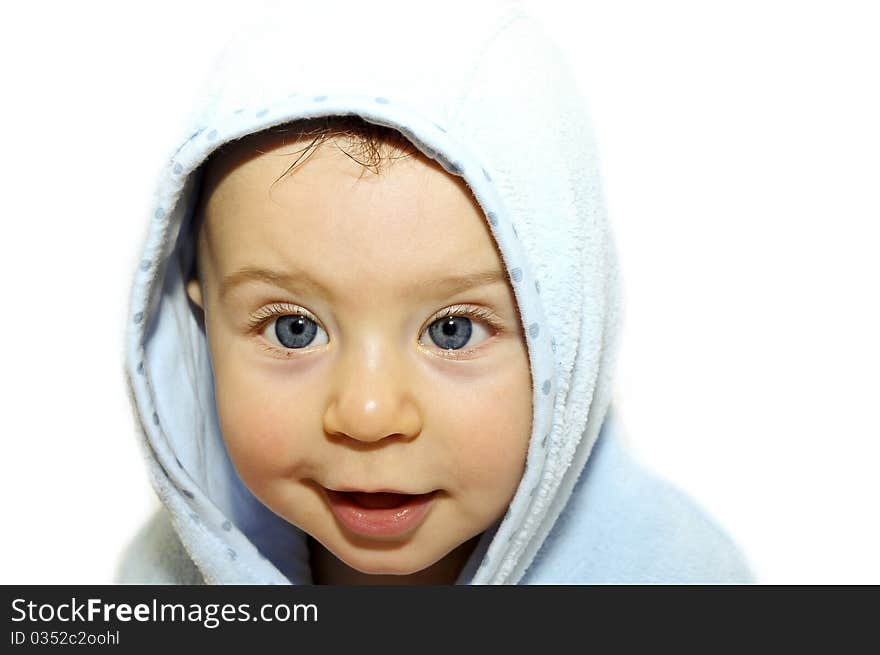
[[293, 331], [451, 332], [457, 329]]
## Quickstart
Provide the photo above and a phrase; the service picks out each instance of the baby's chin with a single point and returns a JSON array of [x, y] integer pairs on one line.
[[388, 564], [409, 557], [420, 559]]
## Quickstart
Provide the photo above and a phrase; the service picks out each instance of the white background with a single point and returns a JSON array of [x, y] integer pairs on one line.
[[741, 160]]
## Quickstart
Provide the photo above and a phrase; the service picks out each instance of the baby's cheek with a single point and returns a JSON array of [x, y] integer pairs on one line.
[[260, 432], [491, 441]]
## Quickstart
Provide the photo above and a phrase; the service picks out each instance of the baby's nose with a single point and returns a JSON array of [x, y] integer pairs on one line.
[[371, 421], [372, 400]]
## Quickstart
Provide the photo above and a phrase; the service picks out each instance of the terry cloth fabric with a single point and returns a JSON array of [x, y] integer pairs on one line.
[[489, 96]]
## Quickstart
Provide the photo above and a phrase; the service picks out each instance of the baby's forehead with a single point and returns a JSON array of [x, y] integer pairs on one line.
[[334, 211]]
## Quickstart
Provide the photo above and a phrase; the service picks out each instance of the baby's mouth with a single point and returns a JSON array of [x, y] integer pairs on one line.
[[378, 500], [380, 513], [387, 499]]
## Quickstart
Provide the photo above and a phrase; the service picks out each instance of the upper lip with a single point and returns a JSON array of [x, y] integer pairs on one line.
[[386, 490]]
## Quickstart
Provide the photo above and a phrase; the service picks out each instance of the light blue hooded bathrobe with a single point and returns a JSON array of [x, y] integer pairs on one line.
[[489, 96]]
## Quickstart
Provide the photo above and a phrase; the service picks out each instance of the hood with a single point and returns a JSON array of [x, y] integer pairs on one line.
[[488, 95]]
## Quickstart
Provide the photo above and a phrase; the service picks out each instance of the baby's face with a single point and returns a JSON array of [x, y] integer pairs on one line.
[[348, 355]]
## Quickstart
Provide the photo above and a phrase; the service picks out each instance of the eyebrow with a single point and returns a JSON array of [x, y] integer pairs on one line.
[[450, 285]]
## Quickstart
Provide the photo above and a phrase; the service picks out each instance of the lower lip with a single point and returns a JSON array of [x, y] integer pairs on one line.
[[379, 522]]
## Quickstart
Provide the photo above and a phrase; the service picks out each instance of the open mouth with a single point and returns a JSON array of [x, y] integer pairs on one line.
[[378, 500], [379, 513]]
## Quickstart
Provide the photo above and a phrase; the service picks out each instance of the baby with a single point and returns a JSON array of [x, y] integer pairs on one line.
[[372, 335], [372, 378]]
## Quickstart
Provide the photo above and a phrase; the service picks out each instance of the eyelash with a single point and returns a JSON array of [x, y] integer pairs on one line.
[[262, 316]]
